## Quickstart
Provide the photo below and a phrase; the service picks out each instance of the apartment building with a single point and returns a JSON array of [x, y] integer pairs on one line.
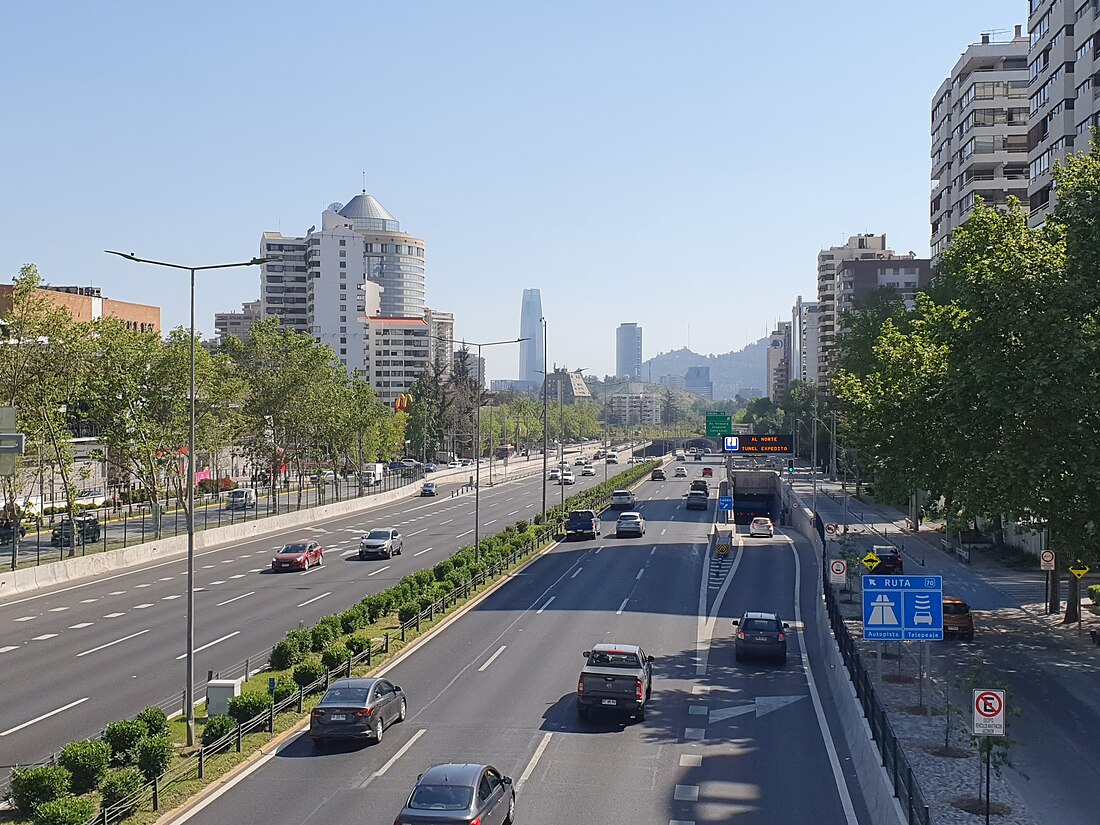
[[979, 134], [397, 352], [1064, 90], [631, 408], [237, 324], [779, 361], [568, 387], [804, 341]]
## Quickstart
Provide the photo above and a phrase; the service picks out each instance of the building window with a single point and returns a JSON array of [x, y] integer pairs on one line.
[[343, 243]]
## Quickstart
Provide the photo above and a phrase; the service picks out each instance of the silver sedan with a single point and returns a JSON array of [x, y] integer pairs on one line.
[[630, 523]]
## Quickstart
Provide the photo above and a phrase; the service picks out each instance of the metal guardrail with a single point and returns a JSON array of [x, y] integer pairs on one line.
[[894, 760]]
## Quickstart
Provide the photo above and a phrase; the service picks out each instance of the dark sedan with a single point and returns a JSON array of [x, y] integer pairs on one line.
[[357, 709], [761, 634], [460, 794], [7, 532], [298, 555]]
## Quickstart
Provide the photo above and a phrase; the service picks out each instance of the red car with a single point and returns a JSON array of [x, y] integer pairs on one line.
[[298, 555], [708, 472]]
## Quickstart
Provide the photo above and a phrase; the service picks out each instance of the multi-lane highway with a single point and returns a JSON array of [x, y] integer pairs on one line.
[[85, 655], [722, 741]]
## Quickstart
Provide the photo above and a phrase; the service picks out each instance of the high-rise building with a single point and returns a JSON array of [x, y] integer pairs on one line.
[[1064, 90], [530, 327], [628, 351], [779, 361], [859, 247], [676, 382], [567, 387], [804, 337], [474, 365], [697, 380], [979, 134], [629, 408], [441, 331], [237, 324]]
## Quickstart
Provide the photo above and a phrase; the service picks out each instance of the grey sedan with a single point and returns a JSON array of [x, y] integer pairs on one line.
[[460, 794], [630, 523], [357, 709], [385, 543]]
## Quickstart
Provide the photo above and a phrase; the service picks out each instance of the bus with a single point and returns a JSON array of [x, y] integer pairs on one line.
[[506, 451]]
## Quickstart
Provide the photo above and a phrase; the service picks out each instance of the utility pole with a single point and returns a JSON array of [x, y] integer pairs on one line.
[[832, 463], [545, 378]]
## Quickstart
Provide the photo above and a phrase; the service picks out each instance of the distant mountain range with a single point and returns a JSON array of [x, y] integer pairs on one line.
[[729, 372]]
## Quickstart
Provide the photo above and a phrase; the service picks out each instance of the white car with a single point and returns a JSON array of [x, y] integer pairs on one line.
[[555, 473], [761, 527], [623, 498], [588, 470], [681, 472], [612, 459], [567, 477]]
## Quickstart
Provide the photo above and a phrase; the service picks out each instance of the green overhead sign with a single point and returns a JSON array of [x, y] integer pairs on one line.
[[718, 424]]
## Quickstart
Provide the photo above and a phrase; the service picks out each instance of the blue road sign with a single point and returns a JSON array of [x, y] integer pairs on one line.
[[725, 502], [731, 443], [903, 608]]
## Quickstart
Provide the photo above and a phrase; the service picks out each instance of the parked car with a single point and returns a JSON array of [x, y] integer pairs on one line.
[[760, 634], [383, 542], [630, 523], [357, 709], [429, 488], [7, 532], [460, 793], [83, 529], [657, 475], [958, 622], [623, 498], [615, 677], [298, 555], [761, 527], [583, 523]]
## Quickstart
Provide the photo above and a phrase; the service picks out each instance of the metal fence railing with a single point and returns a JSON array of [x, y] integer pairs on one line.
[[894, 760]]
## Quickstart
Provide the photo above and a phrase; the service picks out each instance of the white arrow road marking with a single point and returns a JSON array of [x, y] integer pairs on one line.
[[760, 706]]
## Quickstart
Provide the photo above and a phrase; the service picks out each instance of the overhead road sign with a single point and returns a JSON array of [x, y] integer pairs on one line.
[[774, 444], [1046, 560], [1079, 569], [725, 502], [989, 713], [902, 608], [718, 424], [838, 571]]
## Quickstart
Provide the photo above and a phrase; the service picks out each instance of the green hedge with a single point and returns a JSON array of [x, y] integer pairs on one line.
[[123, 737], [87, 761], [69, 810], [155, 719], [154, 755], [249, 705], [122, 784], [216, 727], [1094, 594], [31, 787]]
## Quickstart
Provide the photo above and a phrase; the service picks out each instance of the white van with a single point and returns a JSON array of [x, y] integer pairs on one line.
[[240, 499]]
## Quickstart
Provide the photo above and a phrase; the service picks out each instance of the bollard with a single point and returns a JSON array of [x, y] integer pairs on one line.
[[417, 622], [386, 639], [431, 612], [402, 633], [240, 735], [271, 718], [202, 759], [369, 646], [248, 665], [301, 694], [156, 794]]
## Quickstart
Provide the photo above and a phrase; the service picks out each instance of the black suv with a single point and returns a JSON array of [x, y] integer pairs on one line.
[[761, 634], [889, 561], [7, 531], [87, 531]]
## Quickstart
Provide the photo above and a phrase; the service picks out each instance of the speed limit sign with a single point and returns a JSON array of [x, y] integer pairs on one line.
[[830, 529], [1046, 560]]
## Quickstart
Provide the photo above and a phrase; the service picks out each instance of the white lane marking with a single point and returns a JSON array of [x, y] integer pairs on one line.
[[43, 637], [422, 552], [490, 521], [686, 793], [530, 769], [80, 625], [830, 748], [219, 581], [314, 599], [117, 593], [654, 550], [598, 549], [204, 567], [257, 570], [698, 710], [491, 659], [622, 607], [227, 561], [236, 598], [347, 553], [681, 822], [57, 609], [700, 690], [576, 572], [448, 521], [639, 574], [89, 601], [9, 648], [143, 585], [695, 733], [417, 532], [546, 605], [113, 615], [311, 570], [672, 517], [706, 624], [460, 535], [691, 760], [142, 606], [176, 596], [211, 644], [115, 642], [374, 573], [24, 618], [390, 762], [239, 576], [512, 514], [44, 716]]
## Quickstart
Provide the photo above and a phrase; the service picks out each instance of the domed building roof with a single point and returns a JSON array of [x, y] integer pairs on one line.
[[367, 213]]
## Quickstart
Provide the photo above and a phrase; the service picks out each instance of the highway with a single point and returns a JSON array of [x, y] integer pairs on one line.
[[88, 654], [722, 741]]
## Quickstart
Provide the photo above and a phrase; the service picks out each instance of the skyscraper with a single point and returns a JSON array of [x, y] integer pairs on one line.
[[530, 351], [628, 351]]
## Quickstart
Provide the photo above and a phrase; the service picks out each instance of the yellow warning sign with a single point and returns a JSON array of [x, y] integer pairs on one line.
[[1079, 570], [723, 549], [871, 561]]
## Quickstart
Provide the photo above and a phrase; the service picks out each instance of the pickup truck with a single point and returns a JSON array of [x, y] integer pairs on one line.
[[583, 523], [615, 677]]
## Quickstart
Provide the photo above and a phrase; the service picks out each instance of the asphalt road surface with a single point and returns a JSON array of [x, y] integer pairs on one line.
[[722, 741], [86, 655]]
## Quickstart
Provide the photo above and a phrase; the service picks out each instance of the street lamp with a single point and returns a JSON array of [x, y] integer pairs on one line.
[[544, 443], [189, 687]]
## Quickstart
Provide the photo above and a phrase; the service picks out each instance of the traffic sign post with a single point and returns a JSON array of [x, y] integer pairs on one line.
[[871, 561], [838, 572], [1046, 560], [989, 720], [830, 529], [1079, 569], [903, 608], [725, 503], [718, 424]]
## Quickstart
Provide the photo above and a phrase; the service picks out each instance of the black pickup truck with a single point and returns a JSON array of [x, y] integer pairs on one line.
[[615, 677], [583, 523]]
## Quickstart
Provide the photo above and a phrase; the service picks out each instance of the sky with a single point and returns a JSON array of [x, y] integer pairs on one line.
[[673, 164]]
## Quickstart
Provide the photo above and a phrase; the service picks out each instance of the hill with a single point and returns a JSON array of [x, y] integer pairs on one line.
[[729, 372]]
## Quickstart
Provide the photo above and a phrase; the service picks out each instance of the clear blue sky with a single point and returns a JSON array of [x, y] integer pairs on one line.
[[670, 164]]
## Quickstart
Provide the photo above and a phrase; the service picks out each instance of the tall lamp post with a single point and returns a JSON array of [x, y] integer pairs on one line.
[[544, 442], [189, 687]]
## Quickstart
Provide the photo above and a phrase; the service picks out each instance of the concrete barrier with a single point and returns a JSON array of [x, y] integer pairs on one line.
[[27, 579]]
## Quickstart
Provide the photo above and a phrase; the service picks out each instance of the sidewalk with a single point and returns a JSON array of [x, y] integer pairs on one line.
[[1050, 672]]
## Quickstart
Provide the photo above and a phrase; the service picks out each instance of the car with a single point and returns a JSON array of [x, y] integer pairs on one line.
[[579, 462], [383, 542], [761, 527], [612, 458], [83, 529], [567, 477], [588, 470], [708, 472], [460, 793], [700, 485], [657, 475], [554, 474], [697, 500], [958, 622], [298, 555], [681, 472], [429, 488], [466, 462], [760, 634], [583, 523], [409, 463], [394, 465], [698, 456], [7, 532], [452, 464], [630, 523], [890, 560], [623, 498], [430, 467], [691, 450], [615, 677], [357, 709], [708, 451]]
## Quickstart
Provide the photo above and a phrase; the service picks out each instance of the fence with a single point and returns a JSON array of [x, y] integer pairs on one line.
[[894, 760], [127, 524]]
